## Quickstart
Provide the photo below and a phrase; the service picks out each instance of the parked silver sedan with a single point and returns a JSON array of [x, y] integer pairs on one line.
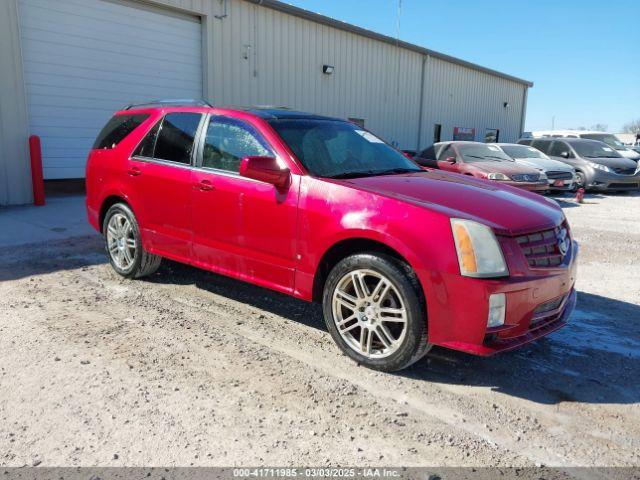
[[561, 176]]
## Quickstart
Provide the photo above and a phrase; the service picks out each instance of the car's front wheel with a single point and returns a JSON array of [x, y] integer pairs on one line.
[[123, 244], [374, 310]]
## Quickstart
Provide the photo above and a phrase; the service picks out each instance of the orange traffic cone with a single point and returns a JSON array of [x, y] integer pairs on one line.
[[580, 195]]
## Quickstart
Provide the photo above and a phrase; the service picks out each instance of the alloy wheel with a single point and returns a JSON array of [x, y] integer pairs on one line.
[[369, 313], [121, 241]]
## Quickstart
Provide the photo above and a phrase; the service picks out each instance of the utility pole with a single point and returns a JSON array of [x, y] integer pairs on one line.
[[553, 122]]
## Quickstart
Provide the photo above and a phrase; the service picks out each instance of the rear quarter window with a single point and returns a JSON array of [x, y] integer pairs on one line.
[[542, 145], [117, 130]]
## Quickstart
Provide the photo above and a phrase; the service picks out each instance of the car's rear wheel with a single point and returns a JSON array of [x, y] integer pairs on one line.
[[123, 244], [374, 309]]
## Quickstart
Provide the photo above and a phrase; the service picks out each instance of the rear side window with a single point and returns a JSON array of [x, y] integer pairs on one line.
[[559, 148], [446, 153], [148, 143], [117, 130], [175, 138], [428, 153], [542, 145]]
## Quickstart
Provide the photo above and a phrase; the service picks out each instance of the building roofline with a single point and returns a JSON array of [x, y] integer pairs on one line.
[[348, 27]]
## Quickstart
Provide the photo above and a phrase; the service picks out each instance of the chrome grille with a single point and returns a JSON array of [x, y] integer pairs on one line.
[[549, 306], [559, 175], [528, 177], [625, 171], [546, 248]]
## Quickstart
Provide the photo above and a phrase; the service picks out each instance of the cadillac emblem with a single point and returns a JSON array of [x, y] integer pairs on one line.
[[563, 241]]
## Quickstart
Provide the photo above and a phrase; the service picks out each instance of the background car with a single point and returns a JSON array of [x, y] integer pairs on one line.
[[608, 138], [598, 166], [561, 176], [482, 161]]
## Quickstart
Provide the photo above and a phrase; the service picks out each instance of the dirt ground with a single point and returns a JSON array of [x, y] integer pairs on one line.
[[190, 368]]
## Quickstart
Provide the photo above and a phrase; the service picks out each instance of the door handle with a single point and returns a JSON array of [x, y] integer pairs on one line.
[[204, 185], [134, 171]]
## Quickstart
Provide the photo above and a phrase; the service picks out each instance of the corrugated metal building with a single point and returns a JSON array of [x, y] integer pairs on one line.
[[66, 65]]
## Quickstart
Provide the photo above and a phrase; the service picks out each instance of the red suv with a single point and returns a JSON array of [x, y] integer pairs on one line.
[[323, 210]]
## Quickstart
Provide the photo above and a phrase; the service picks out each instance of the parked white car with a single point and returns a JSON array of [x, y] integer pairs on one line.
[[561, 176], [608, 138]]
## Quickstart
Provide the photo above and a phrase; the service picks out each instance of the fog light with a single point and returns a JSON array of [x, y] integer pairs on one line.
[[497, 309]]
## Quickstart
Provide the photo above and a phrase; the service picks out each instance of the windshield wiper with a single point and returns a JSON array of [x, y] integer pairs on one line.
[[349, 175], [392, 171], [486, 157], [373, 173]]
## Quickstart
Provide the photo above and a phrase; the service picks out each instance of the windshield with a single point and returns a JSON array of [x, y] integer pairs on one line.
[[593, 149], [482, 153], [607, 138], [337, 149], [522, 151]]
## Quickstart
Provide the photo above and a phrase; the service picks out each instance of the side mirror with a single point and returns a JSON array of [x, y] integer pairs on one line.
[[565, 155], [450, 160], [266, 169]]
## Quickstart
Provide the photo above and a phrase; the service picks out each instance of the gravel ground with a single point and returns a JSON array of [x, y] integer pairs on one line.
[[190, 368]]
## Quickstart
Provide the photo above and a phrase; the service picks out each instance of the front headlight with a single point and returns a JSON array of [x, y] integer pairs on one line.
[[497, 176], [597, 166], [479, 253]]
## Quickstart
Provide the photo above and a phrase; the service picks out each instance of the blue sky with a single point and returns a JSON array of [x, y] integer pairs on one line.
[[583, 56]]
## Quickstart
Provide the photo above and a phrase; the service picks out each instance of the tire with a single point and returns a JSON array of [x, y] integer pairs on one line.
[[581, 180], [123, 245], [377, 335]]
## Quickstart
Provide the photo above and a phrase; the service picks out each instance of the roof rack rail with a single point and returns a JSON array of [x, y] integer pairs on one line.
[[188, 101]]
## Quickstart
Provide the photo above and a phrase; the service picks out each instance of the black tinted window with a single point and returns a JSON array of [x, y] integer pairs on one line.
[[145, 149], [329, 148], [229, 141], [542, 145], [117, 129], [175, 139], [446, 153], [559, 148], [428, 153]]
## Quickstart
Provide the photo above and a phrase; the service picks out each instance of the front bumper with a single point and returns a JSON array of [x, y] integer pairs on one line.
[[561, 185], [600, 180], [530, 186], [538, 302]]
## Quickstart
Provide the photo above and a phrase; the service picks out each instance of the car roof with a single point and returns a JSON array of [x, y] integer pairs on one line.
[[458, 142], [279, 113], [265, 112], [571, 140]]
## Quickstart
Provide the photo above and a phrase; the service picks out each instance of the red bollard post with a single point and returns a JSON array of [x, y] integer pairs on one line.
[[37, 179], [580, 195]]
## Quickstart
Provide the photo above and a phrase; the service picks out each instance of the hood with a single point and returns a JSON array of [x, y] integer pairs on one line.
[[508, 210], [629, 153], [545, 164], [619, 162], [507, 167]]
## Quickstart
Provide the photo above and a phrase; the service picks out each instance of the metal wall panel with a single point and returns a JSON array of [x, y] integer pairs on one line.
[[84, 59], [456, 96], [15, 174], [255, 54], [263, 56]]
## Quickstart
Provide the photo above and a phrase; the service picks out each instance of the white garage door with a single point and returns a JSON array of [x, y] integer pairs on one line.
[[84, 59]]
